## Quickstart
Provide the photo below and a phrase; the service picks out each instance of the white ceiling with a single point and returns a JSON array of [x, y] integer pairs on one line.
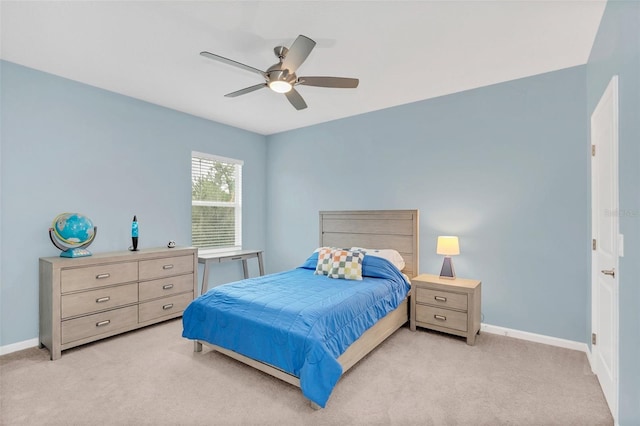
[[401, 51]]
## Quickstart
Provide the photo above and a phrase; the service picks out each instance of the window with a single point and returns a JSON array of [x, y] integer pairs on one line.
[[216, 202]]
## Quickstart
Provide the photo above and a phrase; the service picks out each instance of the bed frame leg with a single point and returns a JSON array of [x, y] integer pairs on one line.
[[197, 346], [315, 406]]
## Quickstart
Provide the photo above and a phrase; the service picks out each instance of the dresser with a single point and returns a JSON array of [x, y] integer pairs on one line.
[[90, 298], [449, 306]]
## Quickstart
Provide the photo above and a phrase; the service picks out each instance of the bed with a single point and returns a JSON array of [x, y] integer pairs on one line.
[[308, 329]]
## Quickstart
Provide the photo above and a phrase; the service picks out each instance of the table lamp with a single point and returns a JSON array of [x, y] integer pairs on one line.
[[448, 246]]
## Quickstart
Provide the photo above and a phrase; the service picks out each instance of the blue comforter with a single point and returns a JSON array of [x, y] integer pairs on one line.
[[295, 320]]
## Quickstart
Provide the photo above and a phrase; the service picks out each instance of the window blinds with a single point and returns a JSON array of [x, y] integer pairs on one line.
[[216, 202]]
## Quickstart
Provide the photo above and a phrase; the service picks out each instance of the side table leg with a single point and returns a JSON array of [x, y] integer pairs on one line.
[[245, 268], [260, 264], [205, 279]]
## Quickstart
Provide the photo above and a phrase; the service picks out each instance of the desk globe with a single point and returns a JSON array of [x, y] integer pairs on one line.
[[72, 233]]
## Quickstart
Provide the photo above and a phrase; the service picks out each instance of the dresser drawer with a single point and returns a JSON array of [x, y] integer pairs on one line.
[[165, 267], [165, 306], [441, 317], [98, 300], [96, 324], [98, 276], [442, 298], [166, 287]]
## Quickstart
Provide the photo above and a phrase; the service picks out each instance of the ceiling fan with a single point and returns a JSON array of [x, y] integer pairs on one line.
[[282, 78]]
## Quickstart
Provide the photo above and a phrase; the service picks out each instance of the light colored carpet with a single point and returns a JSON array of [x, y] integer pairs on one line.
[[152, 376]]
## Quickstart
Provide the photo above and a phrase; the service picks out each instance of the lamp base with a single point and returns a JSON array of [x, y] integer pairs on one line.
[[447, 271]]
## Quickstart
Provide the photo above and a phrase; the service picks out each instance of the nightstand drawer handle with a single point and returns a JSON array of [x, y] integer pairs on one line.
[[167, 306], [440, 317], [103, 299], [103, 323], [167, 267], [440, 298], [102, 276], [167, 286]]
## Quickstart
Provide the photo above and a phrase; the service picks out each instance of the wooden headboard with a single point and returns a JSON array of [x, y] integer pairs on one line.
[[374, 229]]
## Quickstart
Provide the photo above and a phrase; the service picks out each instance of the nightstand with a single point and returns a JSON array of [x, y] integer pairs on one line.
[[449, 306]]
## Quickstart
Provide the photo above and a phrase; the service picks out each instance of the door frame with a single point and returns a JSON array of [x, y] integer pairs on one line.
[[612, 91]]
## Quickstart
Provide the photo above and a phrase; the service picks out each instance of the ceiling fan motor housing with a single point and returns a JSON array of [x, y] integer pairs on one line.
[[274, 73]]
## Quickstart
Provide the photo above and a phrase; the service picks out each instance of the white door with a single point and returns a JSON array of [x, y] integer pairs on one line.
[[608, 243]]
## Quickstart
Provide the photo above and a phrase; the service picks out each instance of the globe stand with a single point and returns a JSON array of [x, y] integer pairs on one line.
[[80, 251]]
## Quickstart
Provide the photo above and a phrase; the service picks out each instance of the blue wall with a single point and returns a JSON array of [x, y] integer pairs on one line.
[[503, 167], [72, 147], [616, 51]]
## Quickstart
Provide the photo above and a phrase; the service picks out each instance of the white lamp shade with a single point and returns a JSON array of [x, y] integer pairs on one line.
[[448, 246]]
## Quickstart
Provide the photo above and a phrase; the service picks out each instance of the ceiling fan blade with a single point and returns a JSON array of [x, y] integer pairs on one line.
[[246, 90], [295, 99], [231, 62], [337, 82], [298, 52]]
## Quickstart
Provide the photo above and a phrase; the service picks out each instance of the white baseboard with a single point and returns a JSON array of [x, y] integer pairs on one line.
[[15, 347], [538, 338], [587, 351]]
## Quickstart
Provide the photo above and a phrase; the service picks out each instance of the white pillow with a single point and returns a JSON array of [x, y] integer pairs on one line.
[[391, 255]]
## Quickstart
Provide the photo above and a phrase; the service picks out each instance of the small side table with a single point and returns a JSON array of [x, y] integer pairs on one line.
[[449, 306], [208, 258]]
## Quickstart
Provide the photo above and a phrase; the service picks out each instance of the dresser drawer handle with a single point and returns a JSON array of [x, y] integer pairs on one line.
[[103, 299], [167, 306], [167, 286], [102, 276], [167, 267], [236, 258], [103, 323], [440, 317], [440, 298]]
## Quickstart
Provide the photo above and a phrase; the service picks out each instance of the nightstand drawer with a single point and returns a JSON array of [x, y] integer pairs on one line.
[[442, 298], [441, 317]]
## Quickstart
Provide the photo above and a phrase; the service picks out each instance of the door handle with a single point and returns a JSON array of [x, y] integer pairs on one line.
[[611, 272]]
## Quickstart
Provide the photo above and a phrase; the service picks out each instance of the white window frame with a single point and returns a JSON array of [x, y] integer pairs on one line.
[[237, 204]]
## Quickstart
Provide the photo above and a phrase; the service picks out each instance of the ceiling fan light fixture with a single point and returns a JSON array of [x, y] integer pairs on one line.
[[280, 86]]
